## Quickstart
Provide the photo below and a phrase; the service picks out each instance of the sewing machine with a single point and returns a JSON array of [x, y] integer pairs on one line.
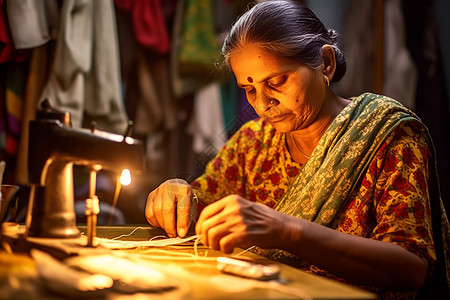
[[54, 147]]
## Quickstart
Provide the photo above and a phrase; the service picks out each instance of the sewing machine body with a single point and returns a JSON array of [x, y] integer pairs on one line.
[[54, 147]]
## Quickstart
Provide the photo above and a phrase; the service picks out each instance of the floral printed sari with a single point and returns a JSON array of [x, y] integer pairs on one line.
[[342, 157]]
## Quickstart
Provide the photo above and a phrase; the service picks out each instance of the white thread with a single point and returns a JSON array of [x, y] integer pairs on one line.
[[124, 235], [197, 240], [248, 249], [157, 237], [196, 256]]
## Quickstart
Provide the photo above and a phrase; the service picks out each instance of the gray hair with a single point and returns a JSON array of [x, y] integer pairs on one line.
[[286, 29]]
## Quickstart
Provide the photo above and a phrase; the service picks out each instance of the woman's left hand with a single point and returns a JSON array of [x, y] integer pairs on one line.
[[236, 222]]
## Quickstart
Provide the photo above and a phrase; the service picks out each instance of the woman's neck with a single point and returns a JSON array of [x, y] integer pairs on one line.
[[307, 139]]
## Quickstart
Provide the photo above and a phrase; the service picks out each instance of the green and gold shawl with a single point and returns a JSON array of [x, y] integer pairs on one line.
[[341, 157], [340, 160]]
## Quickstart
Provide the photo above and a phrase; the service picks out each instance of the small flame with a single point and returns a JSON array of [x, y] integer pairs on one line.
[[125, 177]]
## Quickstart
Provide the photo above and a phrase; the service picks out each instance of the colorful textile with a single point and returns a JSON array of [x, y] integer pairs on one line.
[[85, 75], [31, 21], [379, 188], [14, 92], [149, 25], [199, 48], [6, 44]]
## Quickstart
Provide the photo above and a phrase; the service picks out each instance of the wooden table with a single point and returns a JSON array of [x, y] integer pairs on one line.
[[199, 287], [315, 286]]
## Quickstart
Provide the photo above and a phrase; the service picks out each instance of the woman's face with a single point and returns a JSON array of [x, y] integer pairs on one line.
[[289, 95]]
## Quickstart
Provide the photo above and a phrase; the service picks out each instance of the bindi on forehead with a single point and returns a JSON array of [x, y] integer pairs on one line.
[[249, 79]]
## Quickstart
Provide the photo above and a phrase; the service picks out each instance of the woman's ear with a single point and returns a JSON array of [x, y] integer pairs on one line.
[[329, 61]]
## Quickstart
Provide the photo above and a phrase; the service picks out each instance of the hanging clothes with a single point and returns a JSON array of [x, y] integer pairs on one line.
[[181, 85], [400, 72], [199, 48], [30, 21], [149, 25], [207, 126], [358, 46], [6, 45], [85, 76]]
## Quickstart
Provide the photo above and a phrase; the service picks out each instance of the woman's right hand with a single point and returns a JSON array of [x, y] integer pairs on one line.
[[172, 207]]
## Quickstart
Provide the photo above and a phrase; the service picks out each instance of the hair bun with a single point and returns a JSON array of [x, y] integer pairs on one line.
[[332, 34]]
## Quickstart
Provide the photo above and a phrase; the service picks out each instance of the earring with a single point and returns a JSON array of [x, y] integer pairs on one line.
[[327, 80]]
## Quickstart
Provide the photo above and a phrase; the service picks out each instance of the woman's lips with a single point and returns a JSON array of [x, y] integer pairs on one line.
[[276, 118]]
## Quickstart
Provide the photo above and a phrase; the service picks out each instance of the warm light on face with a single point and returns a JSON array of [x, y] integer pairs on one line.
[[125, 177]]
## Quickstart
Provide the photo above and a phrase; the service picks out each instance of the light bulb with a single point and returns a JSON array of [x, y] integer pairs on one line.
[[125, 177]]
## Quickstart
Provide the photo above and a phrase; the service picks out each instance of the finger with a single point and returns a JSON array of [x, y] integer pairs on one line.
[[149, 213], [214, 235], [229, 242], [157, 209], [183, 210], [209, 229], [208, 212], [169, 208]]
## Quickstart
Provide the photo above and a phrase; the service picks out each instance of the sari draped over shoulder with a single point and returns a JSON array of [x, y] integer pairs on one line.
[[339, 162]]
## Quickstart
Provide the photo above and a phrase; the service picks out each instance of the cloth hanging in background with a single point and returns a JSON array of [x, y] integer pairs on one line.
[[149, 25], [156, 108], [102, 96], [148, 96], [6, 45], [85, 73], [148, 114], [199, 49], [196, 39], [229, 101], [12, 91], [358, 47], [30, 21], [400, 73], [207, 127], [15, 87], [181, 85]]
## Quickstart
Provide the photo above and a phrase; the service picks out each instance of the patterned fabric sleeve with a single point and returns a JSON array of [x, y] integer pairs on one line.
[[224, 174], [401, 206], [392, 202]]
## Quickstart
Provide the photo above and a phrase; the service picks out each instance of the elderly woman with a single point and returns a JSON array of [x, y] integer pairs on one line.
[[339, 187]]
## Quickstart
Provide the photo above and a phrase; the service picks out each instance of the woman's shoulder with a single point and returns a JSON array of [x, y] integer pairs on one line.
[[256, 129], [255, 135], [374, 101]]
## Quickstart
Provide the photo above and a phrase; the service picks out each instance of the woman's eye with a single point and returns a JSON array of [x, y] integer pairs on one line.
[[277, 82]]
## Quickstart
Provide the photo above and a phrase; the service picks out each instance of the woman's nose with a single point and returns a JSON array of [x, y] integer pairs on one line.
[[265, 101]]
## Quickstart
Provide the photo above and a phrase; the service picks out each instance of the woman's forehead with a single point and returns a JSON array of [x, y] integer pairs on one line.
[[257, 63]]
